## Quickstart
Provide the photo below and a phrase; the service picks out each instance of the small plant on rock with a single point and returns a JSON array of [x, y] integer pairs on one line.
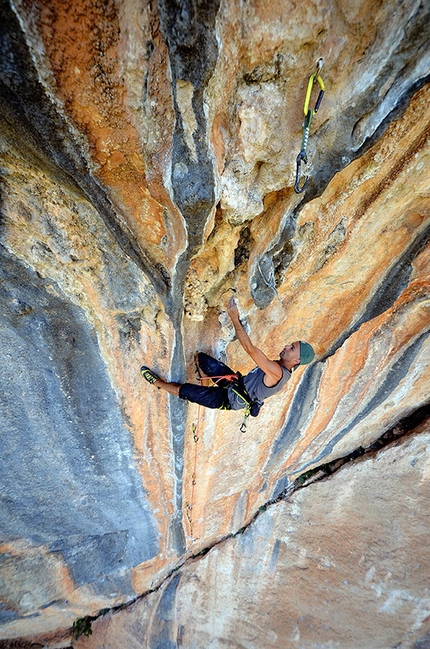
[[82, 626]]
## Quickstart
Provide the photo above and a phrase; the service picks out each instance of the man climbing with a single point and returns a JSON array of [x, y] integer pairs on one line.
[[233, 391]]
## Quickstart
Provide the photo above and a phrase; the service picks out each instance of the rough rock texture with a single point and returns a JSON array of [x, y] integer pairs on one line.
[[148, 155], [341, 563]]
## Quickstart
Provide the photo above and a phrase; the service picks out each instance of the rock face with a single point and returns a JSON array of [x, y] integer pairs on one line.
[[325, 568], [148, 160]]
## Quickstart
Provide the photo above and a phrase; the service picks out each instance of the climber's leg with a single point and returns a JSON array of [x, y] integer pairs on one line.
[[201, 376], [153, 379], [210, 367], [210, 397]]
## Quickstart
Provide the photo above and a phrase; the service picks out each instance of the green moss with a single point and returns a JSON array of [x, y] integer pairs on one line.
[[82, 626], [305, 476]]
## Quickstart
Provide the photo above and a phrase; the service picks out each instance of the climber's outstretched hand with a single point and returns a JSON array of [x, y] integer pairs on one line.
[[232, 309], [271, 369]]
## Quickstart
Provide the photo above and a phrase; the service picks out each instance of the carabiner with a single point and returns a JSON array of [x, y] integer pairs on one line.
[[315, 77], [245, 419], [300, 157]]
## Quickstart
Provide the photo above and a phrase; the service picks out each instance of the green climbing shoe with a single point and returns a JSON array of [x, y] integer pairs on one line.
[[148, 374]]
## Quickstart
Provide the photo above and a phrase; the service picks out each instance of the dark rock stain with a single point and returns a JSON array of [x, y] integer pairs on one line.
[[27, 111], [68, 477], [189, 30]]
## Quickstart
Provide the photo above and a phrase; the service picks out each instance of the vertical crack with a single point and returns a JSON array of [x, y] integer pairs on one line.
[[188, 28]]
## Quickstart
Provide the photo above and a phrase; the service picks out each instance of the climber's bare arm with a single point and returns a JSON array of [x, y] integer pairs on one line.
[[271, 369]]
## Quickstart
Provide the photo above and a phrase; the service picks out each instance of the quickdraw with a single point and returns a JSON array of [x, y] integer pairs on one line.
[[309, 113], [189, 506], [246, 410]]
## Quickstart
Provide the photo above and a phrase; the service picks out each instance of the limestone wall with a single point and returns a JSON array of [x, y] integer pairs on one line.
[[341, 563], [148, 161]]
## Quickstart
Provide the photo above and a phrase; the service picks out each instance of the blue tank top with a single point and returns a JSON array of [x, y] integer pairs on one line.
[[255, 387]]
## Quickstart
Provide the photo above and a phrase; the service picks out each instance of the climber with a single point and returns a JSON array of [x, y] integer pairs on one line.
[[232, 390]]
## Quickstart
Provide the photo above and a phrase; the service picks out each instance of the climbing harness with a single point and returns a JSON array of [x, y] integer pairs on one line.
[[309, 113], [251, 408]]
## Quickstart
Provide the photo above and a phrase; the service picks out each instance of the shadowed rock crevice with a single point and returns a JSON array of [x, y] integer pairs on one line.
[[243, 248]]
